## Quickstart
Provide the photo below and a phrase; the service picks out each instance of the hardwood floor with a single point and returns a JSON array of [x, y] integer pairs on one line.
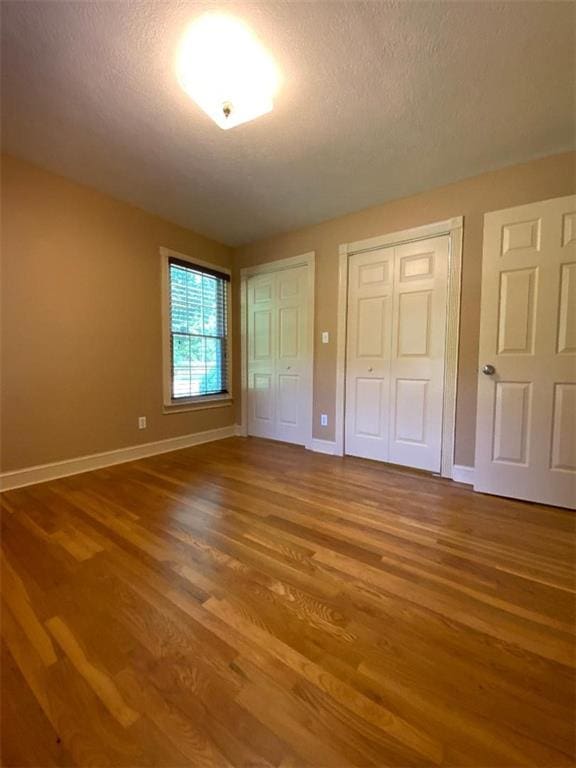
[[246, 603]]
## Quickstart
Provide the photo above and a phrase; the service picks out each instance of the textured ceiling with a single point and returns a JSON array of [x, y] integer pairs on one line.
[[379, 100]]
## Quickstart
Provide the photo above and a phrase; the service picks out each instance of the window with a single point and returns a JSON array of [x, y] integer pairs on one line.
[[198, 327]]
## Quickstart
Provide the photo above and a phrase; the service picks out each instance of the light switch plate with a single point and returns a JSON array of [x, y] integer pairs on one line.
[[325, 337]]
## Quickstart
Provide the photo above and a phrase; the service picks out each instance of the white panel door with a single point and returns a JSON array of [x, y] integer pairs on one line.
[[261, 330], [369, 335], [526, 423], [419, 338], [279, 358], [293, 362], [395, 353]]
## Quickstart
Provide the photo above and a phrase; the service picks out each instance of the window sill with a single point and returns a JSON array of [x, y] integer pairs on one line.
[[217, 401]]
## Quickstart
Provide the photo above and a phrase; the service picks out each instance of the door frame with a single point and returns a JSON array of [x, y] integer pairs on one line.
[[303, 260], [453, 228]]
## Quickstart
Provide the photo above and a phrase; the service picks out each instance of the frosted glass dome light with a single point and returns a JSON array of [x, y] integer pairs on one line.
[[224, 68]]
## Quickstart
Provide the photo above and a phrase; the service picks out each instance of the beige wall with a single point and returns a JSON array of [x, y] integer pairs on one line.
[[538, 180], [81, 331]]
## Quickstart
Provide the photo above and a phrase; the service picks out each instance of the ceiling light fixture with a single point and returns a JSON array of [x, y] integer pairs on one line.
[[226, 71]]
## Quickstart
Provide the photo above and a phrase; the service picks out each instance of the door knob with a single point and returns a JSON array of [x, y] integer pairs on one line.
[[288, 367], [488, 370], [370, 370]]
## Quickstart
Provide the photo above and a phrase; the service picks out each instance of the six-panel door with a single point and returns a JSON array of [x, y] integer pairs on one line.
[[279, 362], [395, 353], [526, 426], [369, 338]]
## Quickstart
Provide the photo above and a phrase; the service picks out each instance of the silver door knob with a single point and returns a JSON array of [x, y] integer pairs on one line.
[[370, 370], [488, 370], [288, 367]]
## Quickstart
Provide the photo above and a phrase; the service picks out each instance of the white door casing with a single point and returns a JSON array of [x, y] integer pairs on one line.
[[526, 419], [396, 334], [279, 354]]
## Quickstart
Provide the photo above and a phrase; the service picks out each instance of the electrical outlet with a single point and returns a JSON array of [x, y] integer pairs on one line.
[[325, 337], [323, 419], [141, 422]]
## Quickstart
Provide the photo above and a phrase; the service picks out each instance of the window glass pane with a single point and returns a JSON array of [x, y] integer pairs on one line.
[[210, 306], [197, 367], [213, 365], [198, 330], [180, 365], [181, 350], [194, 302], [178, 303]]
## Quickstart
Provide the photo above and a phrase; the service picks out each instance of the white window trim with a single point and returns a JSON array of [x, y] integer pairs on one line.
[[454, 229], [200, 402]]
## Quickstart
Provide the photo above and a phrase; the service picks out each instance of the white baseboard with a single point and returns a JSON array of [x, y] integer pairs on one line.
[[44, 472], [324, 446], [462, 474]]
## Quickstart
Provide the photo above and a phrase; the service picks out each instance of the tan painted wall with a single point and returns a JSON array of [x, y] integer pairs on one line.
[[81, 331], [538, 180]]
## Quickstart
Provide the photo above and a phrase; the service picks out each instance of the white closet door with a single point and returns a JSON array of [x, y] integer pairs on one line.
[[369, 335], [419, 337], [526, 422], [262, 329], [395, 353], [294, 359], [279, 358]]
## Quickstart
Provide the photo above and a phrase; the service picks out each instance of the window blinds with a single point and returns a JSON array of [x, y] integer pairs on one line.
[[198, 330]]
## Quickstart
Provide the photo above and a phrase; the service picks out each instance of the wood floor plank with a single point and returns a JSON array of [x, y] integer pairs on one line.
[[16, 597], [102, 685], [21, 715], [249, 603], [346, 696]]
